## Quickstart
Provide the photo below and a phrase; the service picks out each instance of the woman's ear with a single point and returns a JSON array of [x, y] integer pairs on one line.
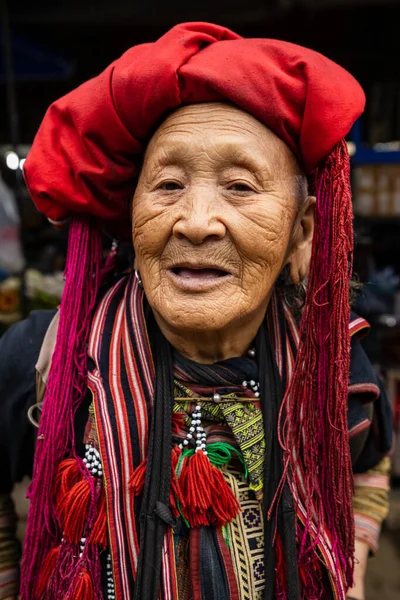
[[300, 257]]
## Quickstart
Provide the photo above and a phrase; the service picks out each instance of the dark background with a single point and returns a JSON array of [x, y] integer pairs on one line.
[[362, 35]]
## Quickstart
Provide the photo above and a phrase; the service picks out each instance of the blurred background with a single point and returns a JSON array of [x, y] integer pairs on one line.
[[48, 47]]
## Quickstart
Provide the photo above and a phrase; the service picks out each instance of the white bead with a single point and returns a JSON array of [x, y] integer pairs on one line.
[[87, 446], [191, 429], [85, 460], [198, 407], [189, 436], [203, 446], [244, 383], [94, 471], [199, 428], [205, 452], [180, 446], [199, 415], [185, 442], [257, 394], [217, 397], [252, 382], [251, 353]]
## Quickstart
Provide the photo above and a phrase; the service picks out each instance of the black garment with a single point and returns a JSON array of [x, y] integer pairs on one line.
[[19, 351]]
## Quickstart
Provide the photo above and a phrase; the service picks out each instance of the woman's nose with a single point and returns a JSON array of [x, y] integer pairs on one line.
[[198, 220]]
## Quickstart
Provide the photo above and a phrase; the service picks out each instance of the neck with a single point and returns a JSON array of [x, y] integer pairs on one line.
[[210, 346]]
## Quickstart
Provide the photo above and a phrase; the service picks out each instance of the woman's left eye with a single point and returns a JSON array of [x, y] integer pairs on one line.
[[241, 187], [169, 186]]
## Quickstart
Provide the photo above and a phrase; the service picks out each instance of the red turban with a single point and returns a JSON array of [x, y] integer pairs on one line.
[[85, 155]]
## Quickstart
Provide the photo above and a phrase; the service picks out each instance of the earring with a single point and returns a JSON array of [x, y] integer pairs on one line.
[[138, 278]]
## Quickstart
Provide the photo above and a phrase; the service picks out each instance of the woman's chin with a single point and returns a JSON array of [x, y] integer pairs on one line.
[[197, 314]]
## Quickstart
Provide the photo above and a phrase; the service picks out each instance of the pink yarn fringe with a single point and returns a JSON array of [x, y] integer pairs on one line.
[[315, 430], [66, 387]]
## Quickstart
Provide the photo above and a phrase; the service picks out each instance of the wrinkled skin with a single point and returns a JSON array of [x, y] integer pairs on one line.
[[217, 189]]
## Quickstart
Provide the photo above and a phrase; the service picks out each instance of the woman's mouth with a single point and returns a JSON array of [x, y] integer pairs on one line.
[[198, 277]]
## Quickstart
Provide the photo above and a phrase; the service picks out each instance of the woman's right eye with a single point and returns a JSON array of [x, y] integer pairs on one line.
[[170, 186]]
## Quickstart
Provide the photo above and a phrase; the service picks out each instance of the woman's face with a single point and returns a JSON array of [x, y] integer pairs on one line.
[[214, 217]]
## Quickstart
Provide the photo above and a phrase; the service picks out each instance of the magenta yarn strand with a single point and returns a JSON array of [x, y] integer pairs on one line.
[[65, 389]]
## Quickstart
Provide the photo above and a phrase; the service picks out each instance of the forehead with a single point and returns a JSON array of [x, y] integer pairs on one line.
[[219, 127]]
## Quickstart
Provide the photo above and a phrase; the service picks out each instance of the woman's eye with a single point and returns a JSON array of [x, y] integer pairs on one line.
[[241, 187], [170, 186]]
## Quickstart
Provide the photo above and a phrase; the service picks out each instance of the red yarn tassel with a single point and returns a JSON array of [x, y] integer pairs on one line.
[[194, 480], [208, 498], [136, 481], [68, 474], [98, 534], [84, 589], [178, 422], [224, 506], [47, 570], [73, 511]]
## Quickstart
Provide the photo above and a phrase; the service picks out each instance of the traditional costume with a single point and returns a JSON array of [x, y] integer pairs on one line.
[[170, 479]]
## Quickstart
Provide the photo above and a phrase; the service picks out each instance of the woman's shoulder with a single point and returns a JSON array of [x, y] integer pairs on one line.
[[19, 351], [20, 345]]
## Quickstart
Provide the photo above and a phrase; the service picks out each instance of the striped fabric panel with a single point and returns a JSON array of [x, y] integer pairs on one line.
[[371, 502], [122, 397], [357, 325], [170, 585], [367, 530], [371, 480]]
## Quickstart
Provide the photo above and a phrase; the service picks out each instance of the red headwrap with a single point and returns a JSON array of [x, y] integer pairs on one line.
[[84, 160], [86, 152]]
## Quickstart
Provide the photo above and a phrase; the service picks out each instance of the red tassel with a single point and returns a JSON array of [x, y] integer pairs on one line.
[[47, 570], [224, 506], [208, 498], [68, 474], [73, 510], [136, 481], [98, 534], [84, 589], [178, 421]]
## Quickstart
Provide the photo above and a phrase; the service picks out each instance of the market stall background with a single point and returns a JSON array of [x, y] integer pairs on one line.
[[49, 47]]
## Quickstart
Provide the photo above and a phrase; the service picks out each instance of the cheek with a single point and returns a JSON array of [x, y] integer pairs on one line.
[[151, 228], [262, 238]]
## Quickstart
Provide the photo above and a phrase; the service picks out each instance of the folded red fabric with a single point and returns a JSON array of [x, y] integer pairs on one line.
[[86, 153]]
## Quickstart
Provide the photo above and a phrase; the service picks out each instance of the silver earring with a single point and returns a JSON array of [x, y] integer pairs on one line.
[[138, 278]]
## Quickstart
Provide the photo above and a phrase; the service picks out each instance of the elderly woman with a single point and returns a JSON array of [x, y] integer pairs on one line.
[[197, 412]]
